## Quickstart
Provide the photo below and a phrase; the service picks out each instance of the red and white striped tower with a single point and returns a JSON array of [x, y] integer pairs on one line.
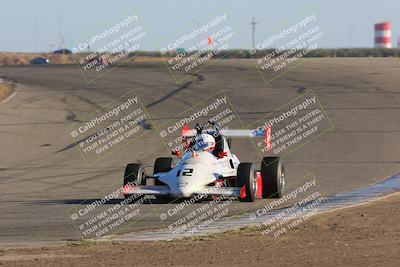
[[383, 35]]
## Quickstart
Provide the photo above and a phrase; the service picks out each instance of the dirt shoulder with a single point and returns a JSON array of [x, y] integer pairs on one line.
[[365, 235], [6, 89]]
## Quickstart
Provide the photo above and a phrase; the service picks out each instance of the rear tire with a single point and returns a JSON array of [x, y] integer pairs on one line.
[[246, 176], [162, 165], [134, 175], [273, 177]]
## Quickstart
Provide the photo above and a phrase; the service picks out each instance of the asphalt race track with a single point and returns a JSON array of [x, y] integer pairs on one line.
[[42, 174]]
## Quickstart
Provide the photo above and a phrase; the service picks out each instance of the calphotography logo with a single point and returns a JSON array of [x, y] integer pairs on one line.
[[109, 47], [197, 49], [293, 125], [281, 51], [302, 200], [215, 111], [193, 220], [109, 129], [107, 214]]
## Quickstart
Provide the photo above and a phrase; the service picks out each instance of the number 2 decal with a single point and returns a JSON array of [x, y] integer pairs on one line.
[[186, 172]]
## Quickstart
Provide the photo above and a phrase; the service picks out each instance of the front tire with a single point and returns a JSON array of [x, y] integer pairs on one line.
[[273, 177], [246, 177], [134, 175]]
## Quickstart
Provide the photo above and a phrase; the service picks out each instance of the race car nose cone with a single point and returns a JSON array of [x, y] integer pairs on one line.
[[181, 190]]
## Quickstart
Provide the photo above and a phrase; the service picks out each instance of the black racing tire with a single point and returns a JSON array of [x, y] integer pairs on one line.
[[134, 174], [246, 176], [273, 177], [162, 165]]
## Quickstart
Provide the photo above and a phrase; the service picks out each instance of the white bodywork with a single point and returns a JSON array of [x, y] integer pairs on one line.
[[195, 171]]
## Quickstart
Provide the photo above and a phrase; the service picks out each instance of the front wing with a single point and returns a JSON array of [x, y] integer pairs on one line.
[[163, 190]]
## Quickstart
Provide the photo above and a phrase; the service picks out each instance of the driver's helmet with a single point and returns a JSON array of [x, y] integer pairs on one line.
[[205, 142]]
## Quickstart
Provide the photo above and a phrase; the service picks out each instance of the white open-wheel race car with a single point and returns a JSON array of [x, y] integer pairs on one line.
[[208, 167]]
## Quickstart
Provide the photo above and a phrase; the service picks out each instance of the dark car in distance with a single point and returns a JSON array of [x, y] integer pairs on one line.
[[40, 60]]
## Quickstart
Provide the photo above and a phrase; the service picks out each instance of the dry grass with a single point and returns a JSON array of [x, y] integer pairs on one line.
[[6, 89], [14, 59]]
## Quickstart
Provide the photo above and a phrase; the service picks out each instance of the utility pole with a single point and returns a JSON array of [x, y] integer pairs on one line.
[[253, 27]]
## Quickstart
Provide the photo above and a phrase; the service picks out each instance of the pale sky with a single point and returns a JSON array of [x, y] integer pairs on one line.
[[165, 21]]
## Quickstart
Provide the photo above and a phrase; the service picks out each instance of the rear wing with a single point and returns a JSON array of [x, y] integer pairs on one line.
[[264, 133], [232, 133], [243, 133], [239, 133]]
